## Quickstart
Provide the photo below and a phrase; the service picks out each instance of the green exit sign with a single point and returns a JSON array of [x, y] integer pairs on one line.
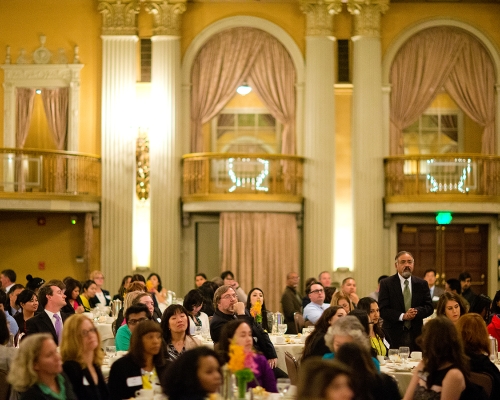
[[443, 217]]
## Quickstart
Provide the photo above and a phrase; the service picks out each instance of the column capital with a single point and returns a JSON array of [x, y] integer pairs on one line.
[[118, 16], [319, 16], [367, 16], [166, 16]]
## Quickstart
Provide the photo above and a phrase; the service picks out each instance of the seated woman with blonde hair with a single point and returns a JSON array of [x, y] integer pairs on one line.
[[36, 372], [341, 298], [82, 358]]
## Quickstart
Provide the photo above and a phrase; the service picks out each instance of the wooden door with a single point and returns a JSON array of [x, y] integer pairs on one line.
[[449, 249]]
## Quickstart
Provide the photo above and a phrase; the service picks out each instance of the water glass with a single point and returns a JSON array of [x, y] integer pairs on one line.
[[283, 384], [393, 356], [282, 328], [198, 330], [404, 353], [110, 351]]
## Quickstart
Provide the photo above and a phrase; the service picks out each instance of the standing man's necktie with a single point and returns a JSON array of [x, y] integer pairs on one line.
[[407, 298], [58, 327]]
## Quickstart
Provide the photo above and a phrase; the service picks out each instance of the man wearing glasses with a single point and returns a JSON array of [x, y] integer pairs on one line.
[[404, 302], [135, 314], [52, 298], [315, 308]]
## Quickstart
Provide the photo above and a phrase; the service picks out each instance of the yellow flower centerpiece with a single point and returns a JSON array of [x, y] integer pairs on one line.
[[256, 312], [242, 365]]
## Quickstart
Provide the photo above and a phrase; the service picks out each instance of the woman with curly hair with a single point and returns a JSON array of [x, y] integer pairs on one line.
[[378, 338], [82, 358], [451, 306], [443, 371], [315, 342], [36, 372]]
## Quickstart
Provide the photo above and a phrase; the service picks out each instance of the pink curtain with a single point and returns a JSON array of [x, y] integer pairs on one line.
[[24, 100], [260, 249], [232, 57], [418, 72]]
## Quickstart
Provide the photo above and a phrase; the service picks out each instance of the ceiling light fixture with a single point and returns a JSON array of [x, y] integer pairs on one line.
[[243, 89]]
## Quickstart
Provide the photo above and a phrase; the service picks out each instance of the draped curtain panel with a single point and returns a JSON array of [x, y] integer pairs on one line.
[[442, 57], [55, 104], [226, 61], [260, 249], [25, 98]]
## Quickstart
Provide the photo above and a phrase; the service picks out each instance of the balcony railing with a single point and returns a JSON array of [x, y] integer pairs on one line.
[[29, 172], [442, 177], [228, 176]]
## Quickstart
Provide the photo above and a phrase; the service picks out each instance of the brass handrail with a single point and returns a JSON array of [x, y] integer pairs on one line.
[[33, 172], [442, 177], [238, 176]]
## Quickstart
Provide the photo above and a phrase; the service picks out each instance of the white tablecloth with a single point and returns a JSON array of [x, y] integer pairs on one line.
[[106, 333]]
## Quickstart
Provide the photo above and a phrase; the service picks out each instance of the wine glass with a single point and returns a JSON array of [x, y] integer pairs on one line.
[[393, 356], [198, 330], [282, 328], [404, 352], [283, 384], [110, 351]]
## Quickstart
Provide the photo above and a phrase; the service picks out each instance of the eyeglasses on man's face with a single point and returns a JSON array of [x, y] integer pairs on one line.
[[229, 297], [318, 291], [136, 321]]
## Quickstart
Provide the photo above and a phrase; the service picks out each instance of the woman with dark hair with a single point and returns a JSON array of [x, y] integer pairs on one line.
[[254, 295], [154, 286], [494, 325], [142, 367], [443, 371], [208, 289], [195, 375], [7, 354], [370, 384], [33, 284], [481, 305], [378, 337], [472, 329], [193, 303], [73, 300], [315, 342], [27, 300], [362, 317], [123, 288], [175, 325], [240, 333], [451, 306], [89, 288], [200, 279]]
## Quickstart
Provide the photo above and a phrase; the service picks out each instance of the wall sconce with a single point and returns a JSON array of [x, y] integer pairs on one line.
[[142, 166]]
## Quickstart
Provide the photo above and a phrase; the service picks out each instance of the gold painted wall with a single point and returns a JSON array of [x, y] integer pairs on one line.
[[23, 244], [65, 23]]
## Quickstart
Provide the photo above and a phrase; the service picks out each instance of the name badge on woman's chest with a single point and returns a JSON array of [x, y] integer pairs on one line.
[[134, 381]]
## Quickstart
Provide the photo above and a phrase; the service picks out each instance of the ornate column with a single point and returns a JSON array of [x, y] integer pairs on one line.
[[319, 136], [166, 152], [118, 130], [367, 141]]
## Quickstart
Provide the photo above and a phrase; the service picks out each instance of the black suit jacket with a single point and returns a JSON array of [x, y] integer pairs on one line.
[[83, 383], [291, 302], [94, 300], [41, 323], [391, 304]]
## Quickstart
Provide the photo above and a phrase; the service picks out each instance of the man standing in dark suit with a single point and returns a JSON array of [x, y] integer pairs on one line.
[[52, 298], [404, 302], [291, 301]]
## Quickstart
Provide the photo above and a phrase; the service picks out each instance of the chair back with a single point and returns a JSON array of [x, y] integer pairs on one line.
[[483, 380], [4, 386], [113, 327], [292, 367], [299, 321]]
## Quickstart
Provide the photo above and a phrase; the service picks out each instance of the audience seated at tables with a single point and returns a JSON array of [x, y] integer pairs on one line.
[[36, 373], [142, 367], [28, 305], [195, 375], [102, 296], [129, 299], [341, 298], [315, 308], [254, 295], [369, 383], [325, 279], [326, 380], [157, 291], [378, 337], [134, 315], [82, 358], [122, 290], [7, 354], [13, 308], [472, 329], [193, 303], [349, 288], [240, 333], [451, 306], [73, 300], [87, 296], [315, 342], [147, 300], [346, 330], [175, 325], [443, 372]]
